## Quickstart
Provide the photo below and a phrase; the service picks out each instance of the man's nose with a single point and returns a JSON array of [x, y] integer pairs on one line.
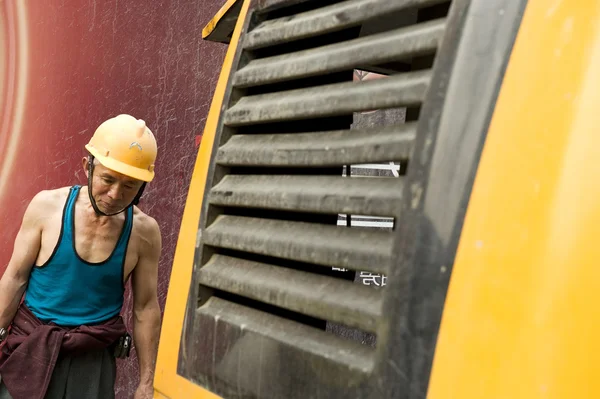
[[115, 192]]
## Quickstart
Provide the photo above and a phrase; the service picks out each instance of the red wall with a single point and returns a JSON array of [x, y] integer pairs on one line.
[[67, 65]]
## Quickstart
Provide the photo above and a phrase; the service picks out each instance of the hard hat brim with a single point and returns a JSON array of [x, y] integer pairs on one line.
[[122, 168]]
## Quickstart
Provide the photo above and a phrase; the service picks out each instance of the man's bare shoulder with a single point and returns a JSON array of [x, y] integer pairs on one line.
[[146, 226], [48, 200], [44, 205]]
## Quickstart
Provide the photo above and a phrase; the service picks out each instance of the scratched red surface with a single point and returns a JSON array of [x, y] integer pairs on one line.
[[67, 65]]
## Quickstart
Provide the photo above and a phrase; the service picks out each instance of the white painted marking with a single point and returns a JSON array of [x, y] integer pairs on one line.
[[375, 166], [359, 223], [382, 218], [394, 170]]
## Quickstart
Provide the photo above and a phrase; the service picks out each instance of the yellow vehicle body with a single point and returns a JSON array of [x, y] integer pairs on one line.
[[519, 315]]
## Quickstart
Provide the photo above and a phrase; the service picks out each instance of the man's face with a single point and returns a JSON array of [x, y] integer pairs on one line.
[[111, 190]]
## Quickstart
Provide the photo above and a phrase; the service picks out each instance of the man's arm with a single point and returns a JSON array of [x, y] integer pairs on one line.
[[25, 252], [146, 311]]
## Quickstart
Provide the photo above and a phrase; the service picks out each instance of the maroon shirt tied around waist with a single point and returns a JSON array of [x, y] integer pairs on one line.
[[30, 351]]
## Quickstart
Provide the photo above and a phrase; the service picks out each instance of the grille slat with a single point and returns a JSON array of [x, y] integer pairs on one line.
[[385, 47], [336, 148], [346, 356], [404, 90], [318, 194], [324, 20], [318, 296], [325, 245]]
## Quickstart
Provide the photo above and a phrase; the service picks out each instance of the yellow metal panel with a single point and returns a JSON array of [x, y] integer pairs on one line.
[[212, 24], [521, 318], [167, 382]]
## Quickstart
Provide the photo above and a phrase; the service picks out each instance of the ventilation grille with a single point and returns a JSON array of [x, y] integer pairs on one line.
[[271, 243]]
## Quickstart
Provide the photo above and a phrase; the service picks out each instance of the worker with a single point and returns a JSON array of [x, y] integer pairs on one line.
[[62, 293]]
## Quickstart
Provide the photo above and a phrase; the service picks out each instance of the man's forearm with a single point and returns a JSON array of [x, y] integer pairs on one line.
[[11, 291], [146, 332]]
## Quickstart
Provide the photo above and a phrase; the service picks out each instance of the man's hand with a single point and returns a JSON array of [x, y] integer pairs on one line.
[[144, 392]]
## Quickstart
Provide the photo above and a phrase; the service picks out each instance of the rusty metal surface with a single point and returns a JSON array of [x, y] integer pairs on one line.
[[246, 353], [329, 100], [336, 148], [326, 245], [320, 194], [308, 293], [332, 18], [399, 44]]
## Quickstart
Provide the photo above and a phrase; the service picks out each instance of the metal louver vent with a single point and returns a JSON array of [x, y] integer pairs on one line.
[[269, 237]]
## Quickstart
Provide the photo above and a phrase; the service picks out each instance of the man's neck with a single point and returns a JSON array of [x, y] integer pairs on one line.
[[90, 213]]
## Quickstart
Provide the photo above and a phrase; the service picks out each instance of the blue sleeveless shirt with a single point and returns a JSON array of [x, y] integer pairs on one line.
[[71, 292]]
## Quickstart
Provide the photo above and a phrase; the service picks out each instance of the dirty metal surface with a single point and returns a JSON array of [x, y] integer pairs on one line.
[[399, 44], [272, 5], [330, 100], [339, 16], [302, 197], [258, 355], [319, 244], [319, 296], [319, 194], [335, 148]]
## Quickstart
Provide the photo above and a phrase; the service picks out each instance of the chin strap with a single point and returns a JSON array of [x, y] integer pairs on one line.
[[135, 201]]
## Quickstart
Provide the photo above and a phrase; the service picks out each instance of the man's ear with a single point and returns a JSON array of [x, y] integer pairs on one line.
[[84, 162]]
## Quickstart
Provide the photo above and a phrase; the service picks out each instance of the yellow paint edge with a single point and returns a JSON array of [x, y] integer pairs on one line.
[[212, 24], [167, 383]]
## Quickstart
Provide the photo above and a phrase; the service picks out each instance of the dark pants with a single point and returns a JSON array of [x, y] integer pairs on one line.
[[84, 376]]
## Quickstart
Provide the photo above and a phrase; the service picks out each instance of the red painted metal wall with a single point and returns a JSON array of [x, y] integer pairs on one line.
[[67, 65]]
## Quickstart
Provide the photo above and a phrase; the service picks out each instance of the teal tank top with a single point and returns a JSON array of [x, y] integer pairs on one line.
[[71, 292]]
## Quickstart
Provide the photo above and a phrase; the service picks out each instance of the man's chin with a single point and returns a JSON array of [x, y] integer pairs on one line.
[[109, 210]]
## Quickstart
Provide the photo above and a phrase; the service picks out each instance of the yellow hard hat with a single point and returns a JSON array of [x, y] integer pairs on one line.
[[125, 145]]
